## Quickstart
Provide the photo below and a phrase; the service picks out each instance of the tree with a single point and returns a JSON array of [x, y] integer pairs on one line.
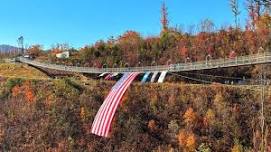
[[207, 25], [235, 10], [189, 116], [191, 142], [35, 51], [130, 43], [164, 17], [253, 8]]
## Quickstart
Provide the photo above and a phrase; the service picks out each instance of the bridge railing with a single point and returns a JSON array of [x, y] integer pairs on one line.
[[200, 65]]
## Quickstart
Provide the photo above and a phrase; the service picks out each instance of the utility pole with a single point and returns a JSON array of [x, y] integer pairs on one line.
[[21, 44], [164, 17], [235, 10]]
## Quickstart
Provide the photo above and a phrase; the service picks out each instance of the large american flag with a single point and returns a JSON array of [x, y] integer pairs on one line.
[[103, 119]]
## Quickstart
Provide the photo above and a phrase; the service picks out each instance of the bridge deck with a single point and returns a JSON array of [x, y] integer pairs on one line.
[[181, 67]]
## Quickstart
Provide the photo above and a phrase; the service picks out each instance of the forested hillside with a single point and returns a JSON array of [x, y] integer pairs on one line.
[[57, 115]]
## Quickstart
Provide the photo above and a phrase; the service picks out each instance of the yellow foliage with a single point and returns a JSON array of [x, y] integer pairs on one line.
[[187, 140], [209, 117], [219, 102], [237, 148], [82, 113], [191, 142], [218, 98], [189, 116]]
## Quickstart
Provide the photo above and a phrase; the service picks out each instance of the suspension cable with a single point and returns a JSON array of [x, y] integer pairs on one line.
[[194, 79], [217, 76]]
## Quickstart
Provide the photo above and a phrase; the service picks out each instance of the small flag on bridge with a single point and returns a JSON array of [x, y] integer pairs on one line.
[[154, 76], [109, 76], [162, 77], [101, 75], [145, 77], [103, 119]]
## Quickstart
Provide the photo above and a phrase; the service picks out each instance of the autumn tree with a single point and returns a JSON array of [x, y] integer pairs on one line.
[[187, 140], [130, 43], [35, 50], [209, 117], [253, 8], [189, 116]]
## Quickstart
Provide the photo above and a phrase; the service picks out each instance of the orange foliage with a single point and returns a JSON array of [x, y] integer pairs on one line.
[[189, 116], [15, 91], [29, 95], [187, 140], [26, 90], [191, 142], [184, 51], [130, 37], [152, 125], [182, 138], [35, 51]]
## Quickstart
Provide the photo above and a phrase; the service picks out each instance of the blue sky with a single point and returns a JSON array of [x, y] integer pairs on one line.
[[82, 22]]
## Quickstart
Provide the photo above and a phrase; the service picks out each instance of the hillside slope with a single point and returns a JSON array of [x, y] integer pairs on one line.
[[12, 70], [57, 115]]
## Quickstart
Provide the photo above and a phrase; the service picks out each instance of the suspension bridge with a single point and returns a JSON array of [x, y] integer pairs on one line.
[[104, 117], [260, 58]]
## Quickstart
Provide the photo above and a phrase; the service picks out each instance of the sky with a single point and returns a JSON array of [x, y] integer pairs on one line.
[[83, 22]]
